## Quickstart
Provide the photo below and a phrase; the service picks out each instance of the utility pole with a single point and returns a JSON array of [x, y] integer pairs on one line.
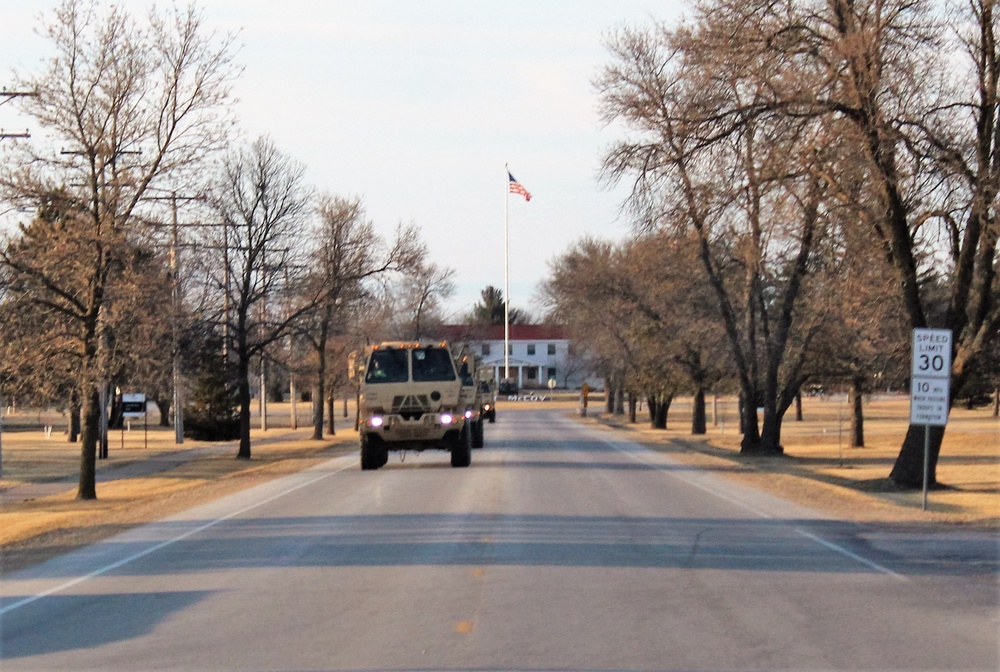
[[7, 96], [176, 291]]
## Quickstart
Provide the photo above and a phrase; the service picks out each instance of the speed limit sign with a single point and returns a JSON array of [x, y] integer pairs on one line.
[[930, 377]]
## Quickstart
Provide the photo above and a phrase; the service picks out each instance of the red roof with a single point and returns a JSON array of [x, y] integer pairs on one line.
[[494, 332]]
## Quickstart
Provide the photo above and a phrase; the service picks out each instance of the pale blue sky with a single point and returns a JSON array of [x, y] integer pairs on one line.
[[416, 106]]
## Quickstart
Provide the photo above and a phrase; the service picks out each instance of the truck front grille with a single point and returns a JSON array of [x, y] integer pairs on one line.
[[411, 406]]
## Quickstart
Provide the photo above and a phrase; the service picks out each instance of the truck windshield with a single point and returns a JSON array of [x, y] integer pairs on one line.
[[387, 366], [432, 364]]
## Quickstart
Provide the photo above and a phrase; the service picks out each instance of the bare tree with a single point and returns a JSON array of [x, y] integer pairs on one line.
[[962, 137], [131, 107], [918, 99], [708, 157], [586, 292], [642, 303], [263, 203], [418, 297], [348, 257]]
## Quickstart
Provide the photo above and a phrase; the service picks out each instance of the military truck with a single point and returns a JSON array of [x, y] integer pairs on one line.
[[473, 396], [412, 397], [488, 395]]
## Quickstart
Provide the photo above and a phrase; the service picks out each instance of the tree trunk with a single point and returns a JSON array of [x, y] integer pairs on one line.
[[769, 442], [698, 417], [90, 436], [330, 411], [855, 398], [116, 420], [609, 396], [320, 386], [318, 400], [243, 392], [633, 403], [798, 406], [908, 472], [741, 411], [659, 409], [164, 406], [620, 397], [996, 403], [770, 434], [73, 430], [749, 424]]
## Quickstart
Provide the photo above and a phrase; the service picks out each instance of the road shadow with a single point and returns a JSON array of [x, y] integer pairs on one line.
[[735, 544], [87, 621]]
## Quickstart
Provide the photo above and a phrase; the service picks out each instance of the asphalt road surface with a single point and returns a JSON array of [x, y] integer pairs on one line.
[[561, 548]]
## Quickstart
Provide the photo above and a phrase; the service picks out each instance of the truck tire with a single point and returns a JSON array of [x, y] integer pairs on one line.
[[477, 434], [461, 451], [373, 453], [493, 415]]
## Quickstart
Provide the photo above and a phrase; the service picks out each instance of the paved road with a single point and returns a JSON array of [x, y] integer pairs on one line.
[[562, 547]]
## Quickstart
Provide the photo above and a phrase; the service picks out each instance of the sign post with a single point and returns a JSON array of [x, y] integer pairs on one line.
[[930, 386]]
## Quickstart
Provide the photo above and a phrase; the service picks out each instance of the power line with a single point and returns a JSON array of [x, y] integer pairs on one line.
[[7, 96]]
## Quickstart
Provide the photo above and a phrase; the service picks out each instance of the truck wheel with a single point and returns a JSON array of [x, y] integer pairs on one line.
[[461, 451], [477, 434], [493, 415], [373, 454]]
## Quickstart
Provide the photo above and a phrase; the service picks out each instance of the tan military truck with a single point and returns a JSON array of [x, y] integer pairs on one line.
[[411, 398], [473, 396], [488, 394]]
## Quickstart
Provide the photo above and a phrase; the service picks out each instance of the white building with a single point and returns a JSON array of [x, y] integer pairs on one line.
[[538, 353]]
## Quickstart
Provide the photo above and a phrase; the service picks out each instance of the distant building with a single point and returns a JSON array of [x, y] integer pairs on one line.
[[538, 353]]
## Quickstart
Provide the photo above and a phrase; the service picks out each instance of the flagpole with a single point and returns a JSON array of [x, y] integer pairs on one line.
[[506, 275]]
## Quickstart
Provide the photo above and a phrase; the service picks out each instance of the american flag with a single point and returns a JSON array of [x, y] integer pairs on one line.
[[516, 188]]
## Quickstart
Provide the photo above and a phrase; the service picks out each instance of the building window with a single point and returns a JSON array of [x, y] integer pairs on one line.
[[552, 348], [510, 348], [552, 372], [531, 372], [486, 349], [531, 348]]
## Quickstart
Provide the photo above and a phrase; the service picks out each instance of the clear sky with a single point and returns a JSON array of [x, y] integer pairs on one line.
[[416, 106]]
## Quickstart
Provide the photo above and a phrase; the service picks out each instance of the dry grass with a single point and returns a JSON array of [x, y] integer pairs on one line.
[[52, 521], [818, 470]]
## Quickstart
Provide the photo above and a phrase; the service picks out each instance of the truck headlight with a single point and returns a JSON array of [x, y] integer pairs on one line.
[[447, 418], [468, 413], [376, 421]]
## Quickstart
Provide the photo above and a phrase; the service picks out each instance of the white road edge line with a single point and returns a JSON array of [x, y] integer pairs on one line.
[[163, 544], [693, 483], [809, 535], [853, 556]]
